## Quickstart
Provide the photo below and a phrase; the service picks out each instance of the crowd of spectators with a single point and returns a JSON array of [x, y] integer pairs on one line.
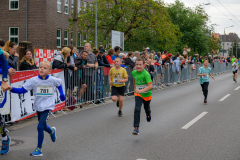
[[84, 80]]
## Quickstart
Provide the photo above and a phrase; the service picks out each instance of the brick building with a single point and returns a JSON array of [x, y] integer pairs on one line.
[[42, 22]]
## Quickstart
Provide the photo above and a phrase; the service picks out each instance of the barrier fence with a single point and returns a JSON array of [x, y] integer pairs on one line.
[[91, 86]]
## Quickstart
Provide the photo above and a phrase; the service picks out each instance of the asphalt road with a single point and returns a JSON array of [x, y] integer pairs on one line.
[[212, 130]]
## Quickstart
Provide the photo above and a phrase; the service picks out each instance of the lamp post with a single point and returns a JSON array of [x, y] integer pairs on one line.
[[96, 25]]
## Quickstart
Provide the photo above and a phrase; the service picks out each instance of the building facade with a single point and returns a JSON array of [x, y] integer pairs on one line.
[[227, 42], [44, 23]]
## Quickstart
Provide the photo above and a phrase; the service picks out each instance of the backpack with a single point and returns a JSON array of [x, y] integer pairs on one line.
[[71, 103]]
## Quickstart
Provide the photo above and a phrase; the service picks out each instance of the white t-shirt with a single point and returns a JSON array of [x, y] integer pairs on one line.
[[236, 67], [43, 91]]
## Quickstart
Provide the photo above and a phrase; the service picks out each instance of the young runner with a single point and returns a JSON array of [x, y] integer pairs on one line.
[[44, 87], [204, 72], [117, 78], [143, 93], [4, 64], [235, 69]]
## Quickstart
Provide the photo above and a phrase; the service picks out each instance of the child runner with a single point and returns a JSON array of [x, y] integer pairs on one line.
[[235, 69], [5, 139], [204, 72], [117, 78], [44, 87], [143, 93]]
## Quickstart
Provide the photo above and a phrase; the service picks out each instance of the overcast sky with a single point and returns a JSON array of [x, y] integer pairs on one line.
[[217, 17]]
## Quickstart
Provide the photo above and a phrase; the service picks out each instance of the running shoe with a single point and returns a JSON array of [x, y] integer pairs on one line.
[[136, 131], [37, 152], [117, 104], [53, 134], [5, 146], [205, 100], [149, 117], [233, 79], [120, 113]]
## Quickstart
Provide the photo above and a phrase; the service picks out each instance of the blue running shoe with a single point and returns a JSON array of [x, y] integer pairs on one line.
[[37, 152], [5, 146], [53, 134], [136, 131], [149, 117]]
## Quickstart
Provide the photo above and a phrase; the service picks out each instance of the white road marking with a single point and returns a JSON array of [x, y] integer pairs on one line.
[[141, 159], [237, 88], [189, 124], [225, 97]]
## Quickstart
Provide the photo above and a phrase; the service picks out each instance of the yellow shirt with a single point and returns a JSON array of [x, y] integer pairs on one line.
[[118, 74]]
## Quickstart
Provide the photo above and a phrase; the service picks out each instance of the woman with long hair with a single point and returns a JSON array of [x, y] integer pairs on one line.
[[27, 62], [11, 48]]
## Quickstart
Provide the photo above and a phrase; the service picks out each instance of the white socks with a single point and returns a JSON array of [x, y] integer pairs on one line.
[[5, 138]]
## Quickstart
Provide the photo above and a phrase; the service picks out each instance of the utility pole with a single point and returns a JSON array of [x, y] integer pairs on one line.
[[96, 25], [236, 48], [75, 14]]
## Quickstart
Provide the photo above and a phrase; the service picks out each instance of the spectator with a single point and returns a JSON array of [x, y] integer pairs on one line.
[[164, 55], [102, 61], [117, 50], [158, 60], [148, 67], [60, 59], [11, 48], [186, 50], [144, 55], [122, 56], [130, 64], [109, 56], [70, 83], [81, 64], [136, 55], [27, 62], [176, 63], [100, 47], [74, 51], [11, 71], [93, 64]]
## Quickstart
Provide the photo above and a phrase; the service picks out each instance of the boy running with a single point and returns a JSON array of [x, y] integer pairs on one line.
[[235, 69], [117, 78], [204, 72], [143, 93], [43, 87]]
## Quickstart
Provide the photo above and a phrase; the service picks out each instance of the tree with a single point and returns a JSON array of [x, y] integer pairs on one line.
[[144, 23], [193, 26], [232, 51]]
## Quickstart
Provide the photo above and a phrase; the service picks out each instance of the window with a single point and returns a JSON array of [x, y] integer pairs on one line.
[[85, 38], [72, 5], [72, 37], [79, 5], [79, 39], [13, 34], [65, 38], [227, 44], [66, 6], [59, 38], [13, 4], [59, 6]]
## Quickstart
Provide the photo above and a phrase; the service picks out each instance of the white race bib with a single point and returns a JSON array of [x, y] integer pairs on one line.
[[115, 80], [205, 77], [140, 87], [44, 90]]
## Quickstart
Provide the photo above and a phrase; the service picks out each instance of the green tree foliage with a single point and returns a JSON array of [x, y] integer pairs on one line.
[[232, 51], [144, 23], [193, 26]]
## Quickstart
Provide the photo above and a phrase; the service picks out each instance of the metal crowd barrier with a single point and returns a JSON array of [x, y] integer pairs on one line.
[[98, 89]]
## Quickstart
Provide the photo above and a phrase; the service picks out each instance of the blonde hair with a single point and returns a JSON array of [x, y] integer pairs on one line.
[[7, 45], [65, 52], [6, 54], [180, 58], [151, 56], [47, 62]]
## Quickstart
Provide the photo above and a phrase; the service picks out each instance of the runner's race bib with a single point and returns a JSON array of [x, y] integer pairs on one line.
[[44, 90], [140, 87], [205, 77], [115, 80]]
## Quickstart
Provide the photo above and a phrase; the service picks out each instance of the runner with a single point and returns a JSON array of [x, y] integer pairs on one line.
[[143, 93], [43, 87], [235, 69], [204, 72], [117, 78], [5, 139]]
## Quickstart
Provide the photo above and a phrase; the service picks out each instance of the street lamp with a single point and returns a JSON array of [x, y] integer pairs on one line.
[[227, 27], [205, 4]]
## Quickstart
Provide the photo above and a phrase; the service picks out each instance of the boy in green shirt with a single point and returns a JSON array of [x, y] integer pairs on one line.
[[143, 93], [204, 72]]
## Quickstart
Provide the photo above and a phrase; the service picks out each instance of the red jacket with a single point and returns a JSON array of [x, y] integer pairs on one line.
[[109, 59]]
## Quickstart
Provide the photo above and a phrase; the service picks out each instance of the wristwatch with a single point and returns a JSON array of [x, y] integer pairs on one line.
[[5, 79]]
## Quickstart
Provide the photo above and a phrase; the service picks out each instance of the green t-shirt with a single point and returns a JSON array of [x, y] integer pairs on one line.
[[206, 78], [141, 81], [233, 59]]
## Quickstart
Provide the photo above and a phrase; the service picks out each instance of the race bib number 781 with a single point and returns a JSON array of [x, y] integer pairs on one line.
[[44, 90]]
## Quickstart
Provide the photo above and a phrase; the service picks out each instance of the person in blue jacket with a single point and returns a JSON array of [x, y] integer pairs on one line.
[[43, 87], [4, 86]]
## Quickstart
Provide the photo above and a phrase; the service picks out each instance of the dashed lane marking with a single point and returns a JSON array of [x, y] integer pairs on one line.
[[237, 88], [189, 124], [222, 99]]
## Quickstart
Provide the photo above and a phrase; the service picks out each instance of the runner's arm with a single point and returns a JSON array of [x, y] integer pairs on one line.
[[18, 90], [62, 95], [211, 76], [149, 87]]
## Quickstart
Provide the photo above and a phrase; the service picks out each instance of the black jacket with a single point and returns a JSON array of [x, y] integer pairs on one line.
[[26, 66], [102, 61], [129, 62], [78, 62], [13, 62]]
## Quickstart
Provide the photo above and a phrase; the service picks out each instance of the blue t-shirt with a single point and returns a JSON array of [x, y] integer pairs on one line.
[[206, 78], [114, 57]]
